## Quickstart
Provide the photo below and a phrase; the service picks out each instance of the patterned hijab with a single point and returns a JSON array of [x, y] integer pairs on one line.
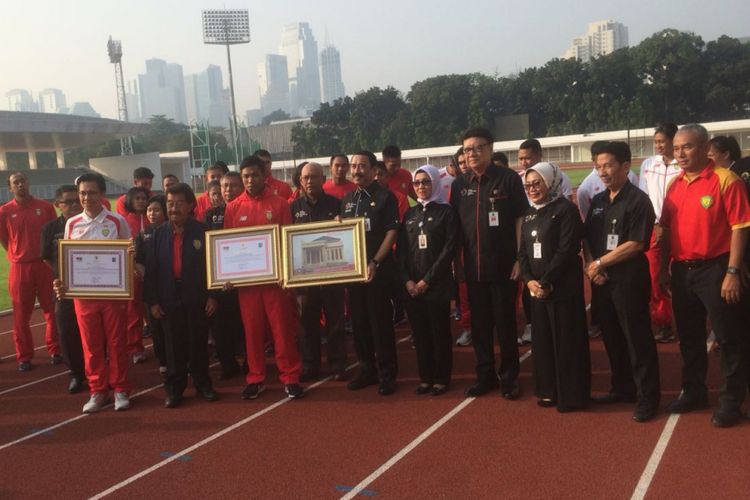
[[434, 174], [552, 177]]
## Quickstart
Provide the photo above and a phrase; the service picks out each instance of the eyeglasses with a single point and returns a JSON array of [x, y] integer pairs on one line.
[[536, 185], [476, 149], [70, 202], [425, 182]]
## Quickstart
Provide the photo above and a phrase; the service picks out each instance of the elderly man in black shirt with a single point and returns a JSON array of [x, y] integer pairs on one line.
[[313, 205], [370, 303], [618, 232], [490, 203]]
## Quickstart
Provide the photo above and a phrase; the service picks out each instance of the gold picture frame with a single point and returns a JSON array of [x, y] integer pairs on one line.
[[96, 269], [324, 253], [243, 256]]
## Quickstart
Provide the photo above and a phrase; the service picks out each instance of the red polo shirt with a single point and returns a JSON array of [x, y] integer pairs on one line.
[[701, 213], [21, 228], [120, 203], [247, 210], [279, 188], [339, 190], [403, 204], [401, 181], [202, 205]]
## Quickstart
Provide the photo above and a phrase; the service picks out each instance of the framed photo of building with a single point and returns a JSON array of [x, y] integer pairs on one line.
[[96, 269], [324, 253], [243, 256]]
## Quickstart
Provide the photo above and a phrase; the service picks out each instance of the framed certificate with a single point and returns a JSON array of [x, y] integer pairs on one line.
[[324, 253], [244, 256], [96, 269]]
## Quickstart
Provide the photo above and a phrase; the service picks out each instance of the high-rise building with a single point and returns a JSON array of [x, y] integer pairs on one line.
[[253, 117], [273, 81], [206, 98], [301, 51], [330, 73], [133, 101], [52, 101], [20, 100], [83, 108], [602, 37], [162, 91]]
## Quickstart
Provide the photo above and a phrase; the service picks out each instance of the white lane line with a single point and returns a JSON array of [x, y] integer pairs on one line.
[[416, 442], [661, 446], [30, 326], [9, 356]]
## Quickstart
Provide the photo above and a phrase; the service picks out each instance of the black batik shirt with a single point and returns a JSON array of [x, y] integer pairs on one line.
[[326, 208], [214, 218], [376, 204], [52, 232]]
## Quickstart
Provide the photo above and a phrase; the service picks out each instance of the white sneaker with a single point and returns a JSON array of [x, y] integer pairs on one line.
[[96, 402], [139, 357], [122, 401], [464, 339], [526, 336]]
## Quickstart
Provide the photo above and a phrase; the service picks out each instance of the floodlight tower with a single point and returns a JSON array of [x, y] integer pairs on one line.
[[228, 27], [114, 47]]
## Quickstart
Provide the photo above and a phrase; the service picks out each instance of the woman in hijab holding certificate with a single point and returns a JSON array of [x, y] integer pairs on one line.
[[424, 250], [551, 267]]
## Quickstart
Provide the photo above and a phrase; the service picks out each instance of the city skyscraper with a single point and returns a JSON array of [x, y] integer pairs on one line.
[[602, 37], [162, 91], [52, 101], [330, 72], [273, 81], [133, 101], [20, 100], [301, 50], [206, 97]]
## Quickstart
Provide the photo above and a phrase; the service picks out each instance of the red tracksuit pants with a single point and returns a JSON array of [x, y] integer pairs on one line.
[[27, 281], [103, 326], [136, 311], [270, 305], [660, 304]]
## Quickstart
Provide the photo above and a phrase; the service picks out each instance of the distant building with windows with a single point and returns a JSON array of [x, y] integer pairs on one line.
[[162, 91], [273, 82], [602, 37], [301, 50], [330, 74], [206, 98], [52, 101], [20, 100]]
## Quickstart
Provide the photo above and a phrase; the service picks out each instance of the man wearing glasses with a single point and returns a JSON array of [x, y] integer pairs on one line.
[[490, 202]]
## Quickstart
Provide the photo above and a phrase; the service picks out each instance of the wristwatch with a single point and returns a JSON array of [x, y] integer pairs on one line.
[[598, 263], [733, 270]]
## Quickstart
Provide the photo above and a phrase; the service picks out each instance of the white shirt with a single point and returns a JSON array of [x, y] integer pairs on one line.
[[593, 185], [446, 180], [655, 178], [105, 226], [566, 186]]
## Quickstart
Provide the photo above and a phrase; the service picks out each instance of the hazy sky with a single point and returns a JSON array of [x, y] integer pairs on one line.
[[62, 44]]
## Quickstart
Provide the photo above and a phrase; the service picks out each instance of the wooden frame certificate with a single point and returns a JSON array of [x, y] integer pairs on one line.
[[324, 253], [243, 256], [96, 269]]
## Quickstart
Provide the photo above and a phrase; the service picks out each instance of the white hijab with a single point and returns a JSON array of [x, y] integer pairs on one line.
[[552, 177], [434, 174]]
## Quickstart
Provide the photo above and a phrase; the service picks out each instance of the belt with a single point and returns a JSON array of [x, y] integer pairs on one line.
[[698, 263]]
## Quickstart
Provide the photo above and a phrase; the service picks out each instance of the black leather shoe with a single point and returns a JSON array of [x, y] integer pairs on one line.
[[308, 375], [76, 385], [438, 390], [423, 389], [546, 403], [172, 401], [613, 397], [478, 389], [511, 390], [645, 412], [726, 418], [207, 394], [687, 403], [361, 381], [387, 387]]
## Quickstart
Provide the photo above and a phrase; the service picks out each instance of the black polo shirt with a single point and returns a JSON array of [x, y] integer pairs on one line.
[[326, 208], [630, 216], [215, 218], [489, 250], [53, 231], [379, 207]]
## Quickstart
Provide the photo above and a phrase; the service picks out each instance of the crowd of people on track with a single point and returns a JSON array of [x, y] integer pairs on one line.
[[663, 252]]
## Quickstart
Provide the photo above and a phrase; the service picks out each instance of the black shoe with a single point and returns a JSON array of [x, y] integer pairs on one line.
[[293, 391], [361, 381], [207, 394], [726, 418], [56, 359], [229, 372], [438, 389], [308, 375], [24, 366], [172, 401], [546, 403], [645, 412], [613, 397], [76, 385], [423, 389], [511, 390], [686, 403], [479, 389], [252, 391], [387, 387]]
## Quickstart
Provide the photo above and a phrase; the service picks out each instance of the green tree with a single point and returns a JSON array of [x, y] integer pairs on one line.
[[275, 116]]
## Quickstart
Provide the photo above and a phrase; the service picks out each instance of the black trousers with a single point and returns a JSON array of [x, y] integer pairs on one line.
[[228, 331], [430, 321], [493, 307], [696, 292], [562, 363], [157, 335], [186, 346], [70, 337], [626, 330], [372, 322], [330, 300], [526, 302]]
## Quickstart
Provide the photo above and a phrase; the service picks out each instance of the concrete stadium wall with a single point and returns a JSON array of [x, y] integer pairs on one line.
[[120, 168]]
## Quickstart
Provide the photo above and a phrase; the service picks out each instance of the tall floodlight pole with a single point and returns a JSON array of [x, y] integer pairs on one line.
[[114, 47], [228, 27]]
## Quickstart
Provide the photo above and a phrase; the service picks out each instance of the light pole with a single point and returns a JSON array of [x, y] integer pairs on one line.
[[228, 27]]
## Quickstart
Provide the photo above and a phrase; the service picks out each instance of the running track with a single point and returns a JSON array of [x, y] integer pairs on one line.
[[336, 443]]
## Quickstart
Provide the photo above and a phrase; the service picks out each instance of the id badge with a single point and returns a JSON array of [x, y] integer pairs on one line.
[[494, 219], [367, 223], [422, 241], [612, 241], [537, 250]]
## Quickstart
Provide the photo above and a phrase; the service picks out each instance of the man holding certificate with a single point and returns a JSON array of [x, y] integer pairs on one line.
[[263, 305]]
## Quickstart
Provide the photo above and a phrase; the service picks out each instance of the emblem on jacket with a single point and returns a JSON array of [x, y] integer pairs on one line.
[[197, 244], [269, 215], [707, 201], [300, 214], [105, 231]]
